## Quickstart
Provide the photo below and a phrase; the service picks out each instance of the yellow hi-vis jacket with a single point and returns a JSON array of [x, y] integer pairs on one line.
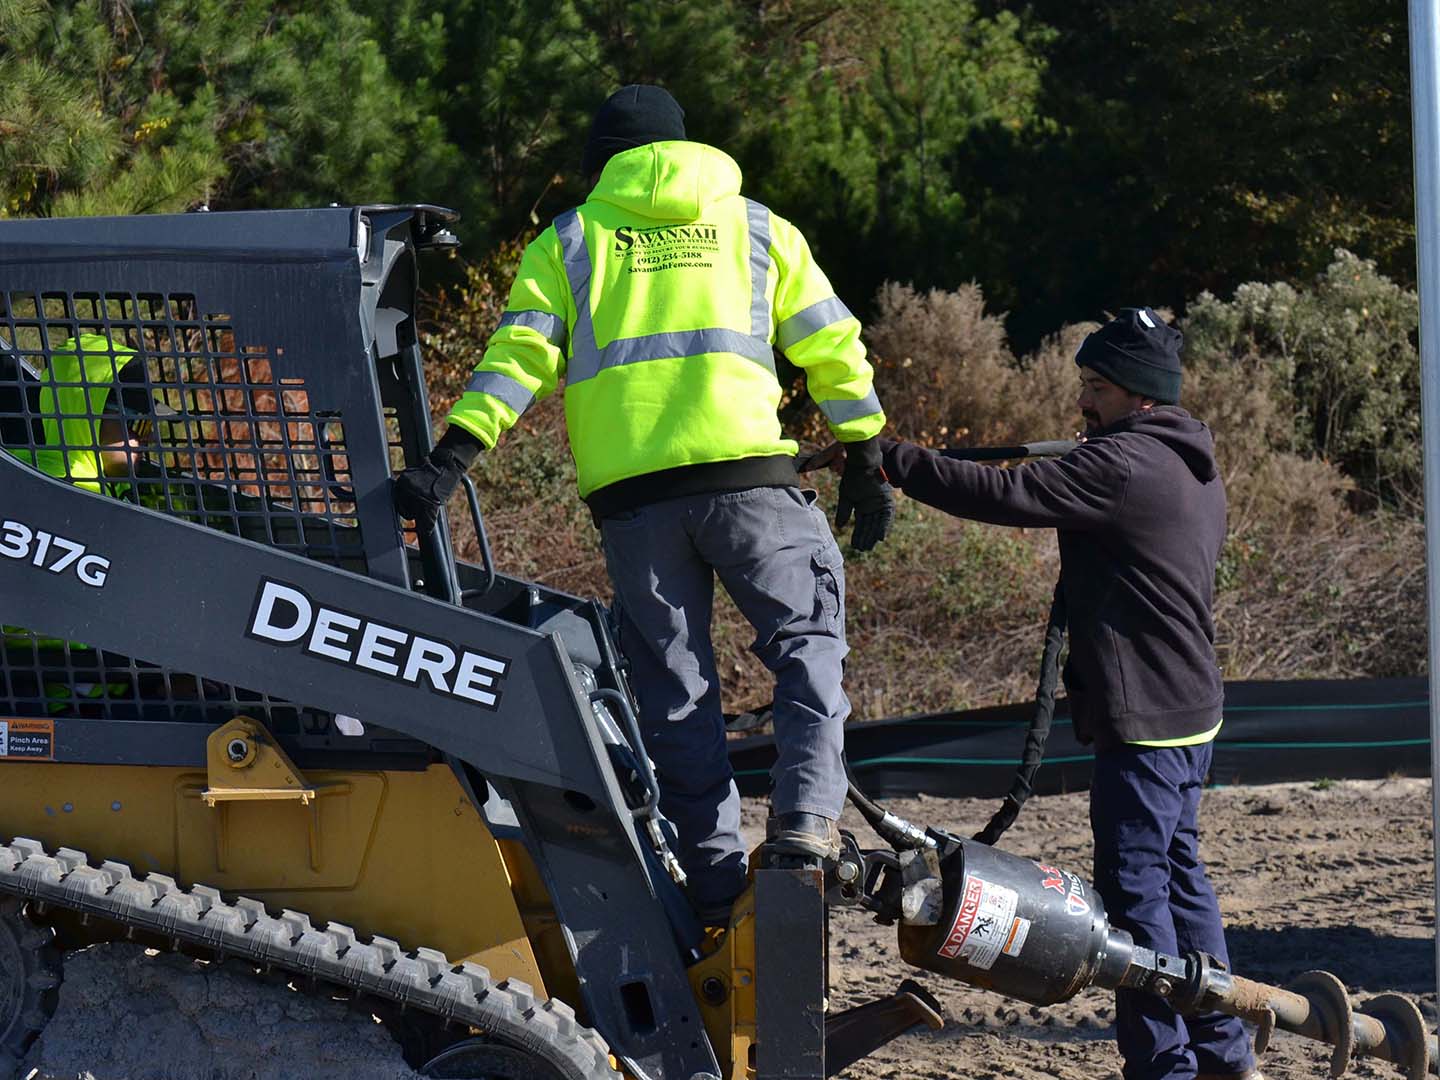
[[659, 302], [74, 390]]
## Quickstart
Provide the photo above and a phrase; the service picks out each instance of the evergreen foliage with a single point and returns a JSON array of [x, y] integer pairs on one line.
[[879, 103], [1071, 156], [1199, 144], [1341, 354]]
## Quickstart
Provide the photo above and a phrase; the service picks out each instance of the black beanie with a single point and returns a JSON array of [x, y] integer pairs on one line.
[[631, 117], [1136, 350]]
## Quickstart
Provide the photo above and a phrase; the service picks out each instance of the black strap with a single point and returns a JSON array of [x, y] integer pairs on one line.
[[1039, 731]]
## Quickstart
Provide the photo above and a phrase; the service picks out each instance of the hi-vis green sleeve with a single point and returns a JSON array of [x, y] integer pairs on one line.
[[525, 359], [817, 333]]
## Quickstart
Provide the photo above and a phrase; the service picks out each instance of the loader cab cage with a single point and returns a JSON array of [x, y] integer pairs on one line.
[[182, 364], [146, 398]]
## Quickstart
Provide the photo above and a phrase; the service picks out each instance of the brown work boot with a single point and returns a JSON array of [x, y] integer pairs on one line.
[[803, 835]]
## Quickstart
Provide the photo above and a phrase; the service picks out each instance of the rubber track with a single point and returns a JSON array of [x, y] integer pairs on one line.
[[40, 973], [423, 979]]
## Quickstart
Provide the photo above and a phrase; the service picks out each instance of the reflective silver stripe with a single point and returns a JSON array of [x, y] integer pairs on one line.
[[815, 317], [584, 357], [508, 390], [759, 218], [841, 410], [552, 326], [677, 343]]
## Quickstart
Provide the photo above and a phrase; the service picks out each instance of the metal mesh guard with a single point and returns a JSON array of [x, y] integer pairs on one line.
[[151, 399]]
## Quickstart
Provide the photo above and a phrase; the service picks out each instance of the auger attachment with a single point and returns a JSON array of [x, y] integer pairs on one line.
[[1041, 934]]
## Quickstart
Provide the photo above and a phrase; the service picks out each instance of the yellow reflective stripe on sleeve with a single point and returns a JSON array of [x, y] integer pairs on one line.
[[1184, 740], [814, 318], [511, 391], [841, 410], [545, 322]]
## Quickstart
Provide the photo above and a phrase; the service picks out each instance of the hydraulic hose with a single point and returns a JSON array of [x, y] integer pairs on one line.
[[901, 834], [895, 831], [1040, 721], [904, 836]]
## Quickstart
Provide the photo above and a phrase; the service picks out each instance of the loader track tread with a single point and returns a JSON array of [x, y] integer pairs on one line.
[[243, 928], [28, 990]]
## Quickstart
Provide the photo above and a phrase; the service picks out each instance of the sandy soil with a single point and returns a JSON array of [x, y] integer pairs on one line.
[[1336, 876]]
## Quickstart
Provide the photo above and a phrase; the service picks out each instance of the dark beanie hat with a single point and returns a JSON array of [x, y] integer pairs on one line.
[[1139, 351], [631, 117]]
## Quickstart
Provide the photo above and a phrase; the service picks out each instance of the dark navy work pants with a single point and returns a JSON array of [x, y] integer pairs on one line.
[[1143, 807]]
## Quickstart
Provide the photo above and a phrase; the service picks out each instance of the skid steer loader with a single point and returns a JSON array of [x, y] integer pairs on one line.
[[239, 715]]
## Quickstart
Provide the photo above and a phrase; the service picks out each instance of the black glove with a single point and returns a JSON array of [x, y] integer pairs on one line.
[[865, 492], [422, 491]]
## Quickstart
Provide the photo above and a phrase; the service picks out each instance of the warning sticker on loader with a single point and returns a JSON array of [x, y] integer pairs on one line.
[[984, 925], [27, 739]]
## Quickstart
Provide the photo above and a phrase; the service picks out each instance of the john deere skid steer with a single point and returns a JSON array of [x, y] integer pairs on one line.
[[239, 715]]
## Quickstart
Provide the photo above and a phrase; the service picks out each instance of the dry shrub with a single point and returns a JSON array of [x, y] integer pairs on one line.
[[1342, 353], [1282, 495], [1270, 490], [1345, 600], [939, 361], [1039, 398], [1244, 411], [947, 377]]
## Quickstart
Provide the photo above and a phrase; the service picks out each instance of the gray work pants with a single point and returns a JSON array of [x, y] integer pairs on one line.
[[774, 554]]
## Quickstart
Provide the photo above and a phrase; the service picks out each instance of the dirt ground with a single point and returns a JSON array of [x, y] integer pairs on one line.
[[1336, 876]]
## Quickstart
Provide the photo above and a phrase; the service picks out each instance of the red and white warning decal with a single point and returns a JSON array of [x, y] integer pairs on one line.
[[984, 925]]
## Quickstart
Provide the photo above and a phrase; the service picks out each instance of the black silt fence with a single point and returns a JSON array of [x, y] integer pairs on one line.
[[1274, 731]]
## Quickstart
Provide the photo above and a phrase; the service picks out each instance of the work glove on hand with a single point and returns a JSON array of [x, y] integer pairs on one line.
[[422, 491], [866, 493]]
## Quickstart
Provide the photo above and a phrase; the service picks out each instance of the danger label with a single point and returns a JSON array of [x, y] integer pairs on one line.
[[985, 924], [27, 739]]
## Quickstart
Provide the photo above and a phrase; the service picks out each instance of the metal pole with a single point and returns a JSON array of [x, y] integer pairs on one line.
[[1425, 104]]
